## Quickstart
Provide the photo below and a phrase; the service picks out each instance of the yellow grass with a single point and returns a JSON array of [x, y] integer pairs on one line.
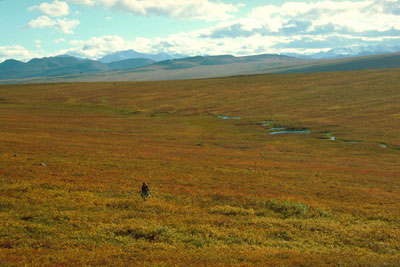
[[223, 192]]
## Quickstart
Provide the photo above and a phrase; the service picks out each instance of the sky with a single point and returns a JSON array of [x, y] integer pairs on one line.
[[94, 28]]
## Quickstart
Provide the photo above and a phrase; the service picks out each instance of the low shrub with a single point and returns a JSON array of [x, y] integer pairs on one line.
[[291, 209], [229, 210], [152, 233]]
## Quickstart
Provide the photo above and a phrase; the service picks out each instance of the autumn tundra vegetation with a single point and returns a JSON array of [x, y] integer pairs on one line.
[[324, 190]]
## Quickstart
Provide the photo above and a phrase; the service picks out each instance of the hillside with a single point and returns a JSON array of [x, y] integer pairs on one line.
[[224, 190], [132, 54], [63, 65], [130, 63], [357, 63], [52, 66], [212, 67]]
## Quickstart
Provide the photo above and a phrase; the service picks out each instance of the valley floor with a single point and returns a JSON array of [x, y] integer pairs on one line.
[[224, 191]]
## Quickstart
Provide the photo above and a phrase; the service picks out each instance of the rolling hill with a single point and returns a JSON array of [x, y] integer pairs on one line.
[[63, 65], [71, 69], [132, 54], [130, 63], [51, 66], [357, 63]]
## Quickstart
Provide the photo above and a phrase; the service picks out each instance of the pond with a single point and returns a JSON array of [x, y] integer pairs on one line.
[[228, 117], [293, 131], [267, 123], [351, 141], [278, 129]]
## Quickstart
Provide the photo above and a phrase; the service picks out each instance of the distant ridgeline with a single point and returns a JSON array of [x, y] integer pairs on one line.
[[68, 68], [63, 65]]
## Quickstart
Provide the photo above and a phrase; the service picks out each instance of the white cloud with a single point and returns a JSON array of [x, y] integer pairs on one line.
[[199, 9], [15, 52], [55, 9], [40, 22], [38, 43], [315, 25], [323, 17], [356, 16], [60, 40], [84, 2], [293, 27], [301, 27], [63, 25], [97, 47], [184, 43]]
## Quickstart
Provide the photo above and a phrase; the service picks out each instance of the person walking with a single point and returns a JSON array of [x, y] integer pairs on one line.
[[145, 191]]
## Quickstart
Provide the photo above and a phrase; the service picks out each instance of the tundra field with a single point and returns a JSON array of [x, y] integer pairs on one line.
[[224, 190]]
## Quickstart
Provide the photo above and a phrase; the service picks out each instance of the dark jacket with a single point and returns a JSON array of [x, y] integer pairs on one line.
[[145, 188]]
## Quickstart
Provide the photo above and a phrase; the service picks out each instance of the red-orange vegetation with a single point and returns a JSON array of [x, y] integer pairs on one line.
[[222, 192]]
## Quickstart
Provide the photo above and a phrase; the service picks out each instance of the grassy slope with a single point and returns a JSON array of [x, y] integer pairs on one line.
[[344, 64], [223, 191], [190, 68], [223, 66]]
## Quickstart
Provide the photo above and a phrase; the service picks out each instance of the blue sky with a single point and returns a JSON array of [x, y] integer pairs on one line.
[[94, 28]]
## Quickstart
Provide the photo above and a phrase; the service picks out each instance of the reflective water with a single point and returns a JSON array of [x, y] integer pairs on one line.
[[351, 141], [228, 117], [267, 123], [294, 131]]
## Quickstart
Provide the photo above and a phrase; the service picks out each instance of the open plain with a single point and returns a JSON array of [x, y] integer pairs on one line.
[[224, 190]]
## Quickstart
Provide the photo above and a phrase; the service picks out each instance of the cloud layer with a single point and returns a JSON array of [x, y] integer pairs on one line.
[[55, 9], [199, 9], [97, 47], [320, 24], [16, 52], [293, 27], [63, 25]]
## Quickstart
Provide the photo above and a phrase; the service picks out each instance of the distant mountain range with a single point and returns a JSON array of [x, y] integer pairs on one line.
[[63, 65], [355, 51], [70, 69], [128, 54]]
